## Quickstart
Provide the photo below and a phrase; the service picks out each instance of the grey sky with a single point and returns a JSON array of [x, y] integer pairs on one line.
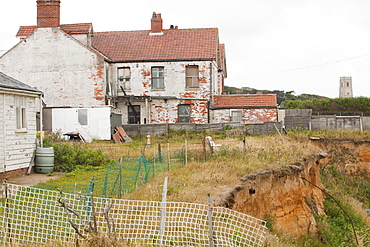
[[300, 45]]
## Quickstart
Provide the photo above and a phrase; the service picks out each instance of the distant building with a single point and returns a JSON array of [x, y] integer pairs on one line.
[[149, 76], [245, 108], [345, 87]]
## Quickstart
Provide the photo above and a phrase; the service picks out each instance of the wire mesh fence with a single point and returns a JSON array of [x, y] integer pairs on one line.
[[123, 177], [34, 215]]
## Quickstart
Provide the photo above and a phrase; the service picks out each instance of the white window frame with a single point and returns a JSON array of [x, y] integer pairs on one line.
[[183, 115], [157, 77], [191, 81], [21, 113], [239, 112], [124, 78]]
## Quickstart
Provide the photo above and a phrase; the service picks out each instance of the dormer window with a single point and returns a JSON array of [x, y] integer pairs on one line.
[[124, 74]]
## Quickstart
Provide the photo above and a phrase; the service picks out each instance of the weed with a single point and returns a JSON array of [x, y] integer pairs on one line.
[[68, 156]]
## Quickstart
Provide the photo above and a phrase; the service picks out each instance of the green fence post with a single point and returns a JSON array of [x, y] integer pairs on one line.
[[159, 151]]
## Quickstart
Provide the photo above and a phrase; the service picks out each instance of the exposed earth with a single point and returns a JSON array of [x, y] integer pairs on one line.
[[33, 178]]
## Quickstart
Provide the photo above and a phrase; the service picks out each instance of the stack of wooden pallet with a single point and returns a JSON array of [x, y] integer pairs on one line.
[[120, 135]]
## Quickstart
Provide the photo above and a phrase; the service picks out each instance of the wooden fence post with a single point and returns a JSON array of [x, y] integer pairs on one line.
[[210, 221], [204, 148], [186, 151], [168, 155], [159, 151]]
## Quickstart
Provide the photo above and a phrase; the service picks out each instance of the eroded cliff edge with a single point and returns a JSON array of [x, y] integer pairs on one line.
[[281, 196], [284, 198]]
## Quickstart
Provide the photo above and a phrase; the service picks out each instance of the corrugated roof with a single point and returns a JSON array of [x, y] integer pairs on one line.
[[172, 45], [11, 83], [245, 100]]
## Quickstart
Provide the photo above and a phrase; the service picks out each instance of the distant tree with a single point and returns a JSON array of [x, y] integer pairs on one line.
[[353, 104], [282, 96]]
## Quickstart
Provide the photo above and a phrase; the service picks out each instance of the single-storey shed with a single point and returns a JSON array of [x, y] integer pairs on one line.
[[18, 109]]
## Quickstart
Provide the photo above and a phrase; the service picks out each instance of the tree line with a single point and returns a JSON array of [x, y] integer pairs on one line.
[[287, 100]]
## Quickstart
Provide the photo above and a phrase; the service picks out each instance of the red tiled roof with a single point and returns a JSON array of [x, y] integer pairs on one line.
[[245, 100], [223, 59], [79, 28], [25, 30], [174, 44]]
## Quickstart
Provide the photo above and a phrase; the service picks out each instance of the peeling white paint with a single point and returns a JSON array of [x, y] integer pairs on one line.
[[66, 71], [17, 146]]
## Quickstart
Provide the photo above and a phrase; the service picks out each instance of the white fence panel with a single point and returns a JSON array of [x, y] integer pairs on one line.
[[32, 215]]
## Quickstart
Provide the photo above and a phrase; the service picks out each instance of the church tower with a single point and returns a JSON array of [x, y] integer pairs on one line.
[[345, 87]]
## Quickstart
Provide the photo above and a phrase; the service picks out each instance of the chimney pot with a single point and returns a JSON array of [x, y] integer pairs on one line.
[[156, 23]]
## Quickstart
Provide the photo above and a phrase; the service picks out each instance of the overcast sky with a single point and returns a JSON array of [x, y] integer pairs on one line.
[[292, 45]]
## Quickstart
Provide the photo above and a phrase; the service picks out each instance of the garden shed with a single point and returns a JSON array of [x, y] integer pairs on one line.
[[18, 107]]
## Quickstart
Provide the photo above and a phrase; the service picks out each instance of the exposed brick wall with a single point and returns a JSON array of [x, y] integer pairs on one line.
[[14, 173], [156, 23], [48, 13], [263, 115], [248, 115]]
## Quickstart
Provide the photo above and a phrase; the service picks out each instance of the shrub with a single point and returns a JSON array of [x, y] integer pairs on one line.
[[69, 156]]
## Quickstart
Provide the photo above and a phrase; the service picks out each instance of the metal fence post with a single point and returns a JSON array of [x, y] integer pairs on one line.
[[163, 211], [210, 221], [120, 182]]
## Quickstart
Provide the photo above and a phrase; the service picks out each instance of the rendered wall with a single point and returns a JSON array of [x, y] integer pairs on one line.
[[166, 111], [98, 120], [164, 102], [174, 79], [68, 73]]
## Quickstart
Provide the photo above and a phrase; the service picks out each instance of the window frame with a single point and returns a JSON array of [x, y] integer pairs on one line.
[[236, 114], [124, 77], [82, 115], [194, 79], [21, 113], [131, 116], [180, 116], [157, 77]]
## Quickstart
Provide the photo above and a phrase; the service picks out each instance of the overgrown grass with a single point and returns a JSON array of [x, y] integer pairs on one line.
[[302, 135], [217, 172], [352, 193], [224, 167], [69, 156]]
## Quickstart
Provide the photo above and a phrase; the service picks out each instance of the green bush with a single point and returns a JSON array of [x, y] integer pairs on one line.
[[339, 231], [68, 156], [355, 104]]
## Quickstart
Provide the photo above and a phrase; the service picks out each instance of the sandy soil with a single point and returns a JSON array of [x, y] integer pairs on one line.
[[33, 178]]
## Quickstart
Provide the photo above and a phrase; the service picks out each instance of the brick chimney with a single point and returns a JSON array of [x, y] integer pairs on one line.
[[156, 23], [48, 13]]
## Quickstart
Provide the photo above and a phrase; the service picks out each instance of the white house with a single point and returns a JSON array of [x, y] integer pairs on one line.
[[17, 125], [59, 60], [163, 75], [167, 75]]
